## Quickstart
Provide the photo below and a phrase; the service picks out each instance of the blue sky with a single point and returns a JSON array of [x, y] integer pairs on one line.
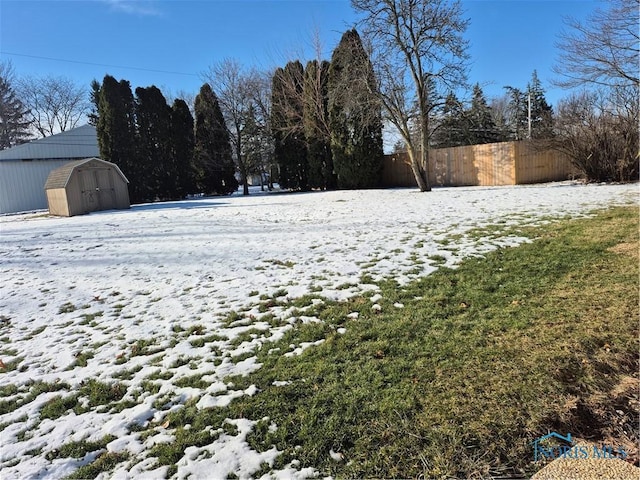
[[509, 38]]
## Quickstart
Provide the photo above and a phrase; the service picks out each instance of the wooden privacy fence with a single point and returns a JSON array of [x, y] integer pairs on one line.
[[505, 163]]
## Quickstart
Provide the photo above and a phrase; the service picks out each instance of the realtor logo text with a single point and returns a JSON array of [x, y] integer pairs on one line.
[[544, 451]]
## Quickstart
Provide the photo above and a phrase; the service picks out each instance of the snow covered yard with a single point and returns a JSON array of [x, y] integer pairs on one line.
[[105, 319]]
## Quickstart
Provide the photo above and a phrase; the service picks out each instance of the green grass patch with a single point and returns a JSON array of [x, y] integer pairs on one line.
[[202, 341], [104, 463], [58, 406], [247, 336], [145, 347], [459, 383], [78, 449], [87, 318], [281, 263], [194, 381], [11, 365], [82, 358], [127, 374], [196, 330], [68, 307], [101, 393]]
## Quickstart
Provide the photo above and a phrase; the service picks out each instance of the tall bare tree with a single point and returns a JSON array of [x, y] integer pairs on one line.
[[55, 104], [604, 50], [419, 54], [598, 127], [236, 89], [262, 160]]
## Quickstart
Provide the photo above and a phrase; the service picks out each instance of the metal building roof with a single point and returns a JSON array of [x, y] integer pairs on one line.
[[59, 177], [81, 142]]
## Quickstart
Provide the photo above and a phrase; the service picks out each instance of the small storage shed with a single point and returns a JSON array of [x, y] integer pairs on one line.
[[84, 186]]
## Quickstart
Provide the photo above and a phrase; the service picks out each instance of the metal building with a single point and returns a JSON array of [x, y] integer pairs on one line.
[[84, 186], [24, 169]]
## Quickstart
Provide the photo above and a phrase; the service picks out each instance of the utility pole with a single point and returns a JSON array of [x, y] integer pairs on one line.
[[529, 114]]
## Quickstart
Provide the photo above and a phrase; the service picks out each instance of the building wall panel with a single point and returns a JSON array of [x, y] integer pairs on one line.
[[22, 184]]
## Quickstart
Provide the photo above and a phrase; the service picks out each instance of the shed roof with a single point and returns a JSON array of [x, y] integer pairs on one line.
[[81, 142], [59, 177]]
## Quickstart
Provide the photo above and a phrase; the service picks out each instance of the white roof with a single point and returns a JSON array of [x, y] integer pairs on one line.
[[81, 142]]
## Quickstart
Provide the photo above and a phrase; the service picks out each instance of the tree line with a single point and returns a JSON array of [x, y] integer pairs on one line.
[[319, 125], [163, 150], [517, 115], [327, 120]]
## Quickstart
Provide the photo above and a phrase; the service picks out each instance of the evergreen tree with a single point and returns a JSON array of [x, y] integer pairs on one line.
[[155, 154], [517, 113], [212, 153], [354, 115], [94, 100], [183, 141], [530, 105], [287, 111], [541, 111], [116, 130], [14, 126], [316, 125], [482, 127], [453, 128]]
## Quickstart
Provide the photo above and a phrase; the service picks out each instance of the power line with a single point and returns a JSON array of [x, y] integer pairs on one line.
[[98, 64]]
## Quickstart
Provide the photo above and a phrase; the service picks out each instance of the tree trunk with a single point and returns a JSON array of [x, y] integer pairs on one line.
[[245, 184], [424, 143], [424, 167], [243, 168], [416, 168]]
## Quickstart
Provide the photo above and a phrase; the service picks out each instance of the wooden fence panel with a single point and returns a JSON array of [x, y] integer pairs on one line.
[[535, 166], [505, 163], [396, 171]]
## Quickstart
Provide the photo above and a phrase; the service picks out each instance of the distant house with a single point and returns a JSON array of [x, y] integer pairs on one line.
[[24, 169], [84, 186]]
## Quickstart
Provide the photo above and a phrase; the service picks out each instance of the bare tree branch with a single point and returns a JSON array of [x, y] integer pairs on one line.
[[244, 100], [419, 55], [603, 51], [55, 104]]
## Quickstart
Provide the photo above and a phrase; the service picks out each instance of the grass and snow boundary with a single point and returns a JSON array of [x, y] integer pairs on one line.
[[112, 322]]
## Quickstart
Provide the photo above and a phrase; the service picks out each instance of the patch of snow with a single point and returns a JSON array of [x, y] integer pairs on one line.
[[280, 383], [376, 298], [303, 346], [130, 296], [336, 456]]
